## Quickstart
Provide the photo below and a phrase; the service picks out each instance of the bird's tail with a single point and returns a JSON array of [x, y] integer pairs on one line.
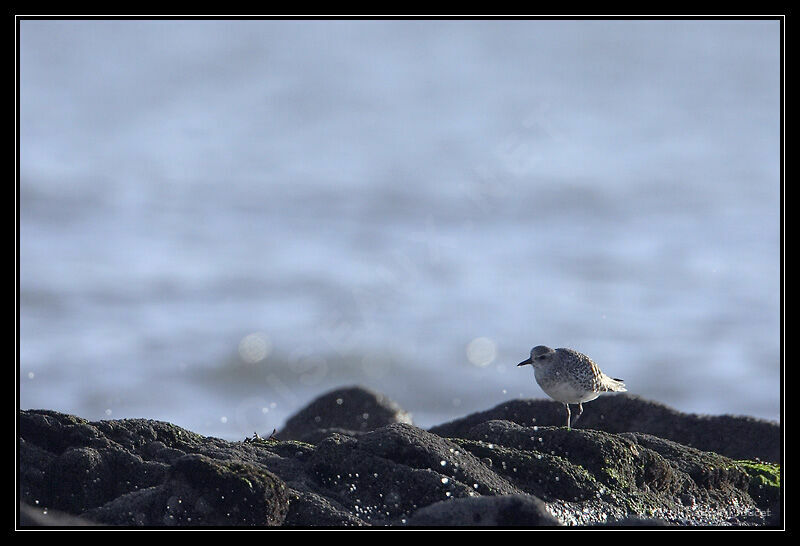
[[613, 384]]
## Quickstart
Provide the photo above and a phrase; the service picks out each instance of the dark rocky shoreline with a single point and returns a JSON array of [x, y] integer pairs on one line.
[[352, 458]]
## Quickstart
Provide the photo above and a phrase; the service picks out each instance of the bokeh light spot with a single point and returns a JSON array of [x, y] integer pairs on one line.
[[255, 347], [481, 351]]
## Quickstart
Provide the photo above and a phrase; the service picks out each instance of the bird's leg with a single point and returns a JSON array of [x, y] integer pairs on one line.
[[580, 411], [568, 415]]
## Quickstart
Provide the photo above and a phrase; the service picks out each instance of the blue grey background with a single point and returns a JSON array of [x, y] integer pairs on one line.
[[220, 220]]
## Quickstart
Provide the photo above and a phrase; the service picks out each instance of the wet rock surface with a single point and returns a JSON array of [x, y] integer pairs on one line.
[[737, 437], [351, 409], [351, 458]]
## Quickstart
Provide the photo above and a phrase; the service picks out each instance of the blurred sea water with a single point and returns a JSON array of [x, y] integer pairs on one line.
[[221, 220]]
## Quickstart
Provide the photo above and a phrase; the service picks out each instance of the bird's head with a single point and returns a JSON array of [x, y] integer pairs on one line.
[[539, 355]]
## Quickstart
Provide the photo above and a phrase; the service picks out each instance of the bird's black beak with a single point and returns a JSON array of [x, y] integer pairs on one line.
[[529, 361]]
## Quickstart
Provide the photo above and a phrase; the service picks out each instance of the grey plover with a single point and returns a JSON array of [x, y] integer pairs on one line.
[[570, 377]]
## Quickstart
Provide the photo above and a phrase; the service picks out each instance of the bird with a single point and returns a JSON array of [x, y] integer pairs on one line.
[[570, 377]]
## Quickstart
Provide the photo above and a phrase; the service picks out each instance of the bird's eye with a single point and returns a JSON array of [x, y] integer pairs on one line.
[[540, 357]]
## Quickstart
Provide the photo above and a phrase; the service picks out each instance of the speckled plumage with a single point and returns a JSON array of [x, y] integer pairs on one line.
[[570, 377]]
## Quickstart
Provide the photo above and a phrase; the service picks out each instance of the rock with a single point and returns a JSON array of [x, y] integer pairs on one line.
[[71, 466], [386, 474], [347, 469], [500, 511], [33, 516], [732, 436], [136, 472], [351, 410], [202, 491], [313, 510], [634, 521], [617, 475]]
